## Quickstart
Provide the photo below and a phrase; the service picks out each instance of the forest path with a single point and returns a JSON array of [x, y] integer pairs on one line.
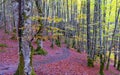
[[9, 54], [58, 61], [64, 53]]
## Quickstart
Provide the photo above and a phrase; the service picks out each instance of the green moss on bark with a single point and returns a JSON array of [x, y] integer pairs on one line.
[[90, 62], [20, 69], [32, 52], [57, 42], [118, 66], [33, 72], [101, 68]]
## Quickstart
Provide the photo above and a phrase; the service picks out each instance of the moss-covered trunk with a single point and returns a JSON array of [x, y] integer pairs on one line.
[[90, 62], [20, 69], [115, 60], [118, 66], [24, 34], [101, 65], [31, 57], [101, 68]]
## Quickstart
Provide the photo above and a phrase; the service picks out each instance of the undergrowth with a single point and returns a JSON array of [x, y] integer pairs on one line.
[[3, 45]]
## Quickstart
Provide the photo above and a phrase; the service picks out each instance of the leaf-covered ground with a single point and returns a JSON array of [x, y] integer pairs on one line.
[[58, 61]]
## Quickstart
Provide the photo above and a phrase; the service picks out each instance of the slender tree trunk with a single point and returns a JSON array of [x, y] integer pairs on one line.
[[118, 63], [15, 14], [115, 55], [4, 10], [95, 28], [104, 32], [114, 32], [101, 40], [90, 60], [40, 31]]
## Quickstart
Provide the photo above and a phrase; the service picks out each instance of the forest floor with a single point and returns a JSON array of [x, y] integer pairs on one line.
[[58, 61]]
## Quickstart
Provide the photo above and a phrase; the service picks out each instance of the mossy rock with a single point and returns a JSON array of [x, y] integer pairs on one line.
[[3, 45], [40, 51]]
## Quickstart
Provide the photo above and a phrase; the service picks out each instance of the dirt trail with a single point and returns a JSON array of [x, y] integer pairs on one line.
[[9, 56], [62, 54], [58, 61]]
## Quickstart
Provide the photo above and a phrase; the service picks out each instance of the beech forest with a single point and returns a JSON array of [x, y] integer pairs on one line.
[[59, 37]]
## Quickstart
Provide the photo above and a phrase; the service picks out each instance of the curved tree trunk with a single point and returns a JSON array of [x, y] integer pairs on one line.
[[24, 33], [113, 36]]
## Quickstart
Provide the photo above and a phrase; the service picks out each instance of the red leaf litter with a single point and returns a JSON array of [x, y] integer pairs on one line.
[[58, 61]]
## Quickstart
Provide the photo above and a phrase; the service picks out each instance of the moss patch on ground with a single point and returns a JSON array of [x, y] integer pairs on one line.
[[3, 45]]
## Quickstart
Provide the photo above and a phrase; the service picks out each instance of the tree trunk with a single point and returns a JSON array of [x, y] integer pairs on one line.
[[15, 15], [4, 10], [40, 31], [90, 60], [101, 40], [24, 33], [95, 28], [118, 63], [114, 32]]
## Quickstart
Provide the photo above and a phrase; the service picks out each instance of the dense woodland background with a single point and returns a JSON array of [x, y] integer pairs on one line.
[[90, 26]]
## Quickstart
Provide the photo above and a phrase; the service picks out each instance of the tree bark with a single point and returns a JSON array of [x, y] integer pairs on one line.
[[24, 33], [114, 32], [90, 60]]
